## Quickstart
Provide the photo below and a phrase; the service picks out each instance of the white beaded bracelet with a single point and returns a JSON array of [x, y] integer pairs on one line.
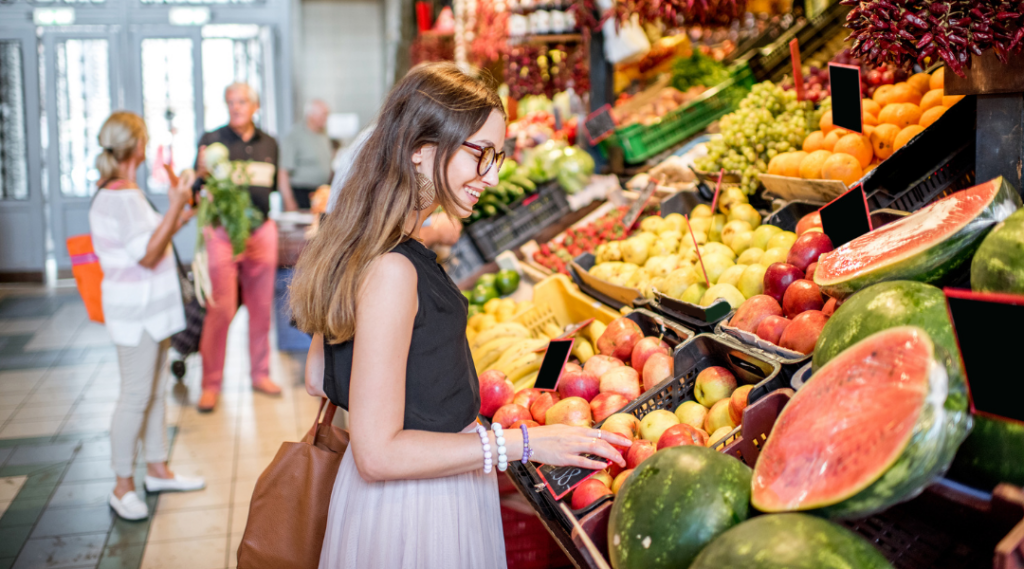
[[499, 439], [480, 430]]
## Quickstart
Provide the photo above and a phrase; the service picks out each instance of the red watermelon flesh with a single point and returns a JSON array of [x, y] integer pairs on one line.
[[924, 246], [848, 425]]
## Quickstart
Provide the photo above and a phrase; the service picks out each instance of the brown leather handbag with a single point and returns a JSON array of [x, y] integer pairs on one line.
[[288, 511]]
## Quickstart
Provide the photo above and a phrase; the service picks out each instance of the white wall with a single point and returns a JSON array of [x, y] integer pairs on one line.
[[341, 56]]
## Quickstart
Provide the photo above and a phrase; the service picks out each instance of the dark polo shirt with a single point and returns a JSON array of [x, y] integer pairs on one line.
[[260, 148]]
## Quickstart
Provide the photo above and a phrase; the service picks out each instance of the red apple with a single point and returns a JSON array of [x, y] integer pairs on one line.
[[682, 435], [713, 384], [619, 338], [495, 390], [771, 328], [599, 364], [529, 424], [624, 425], [777, 279], [803, 333], [807, 248], [646, 348], [571, 366], [573, 411], [830, 307], [809, 275], [540, 405], [738, 402], [808, 221], [588, 492], [620, 480], [753, 311], [605, 405], [526, 397], [801, 296], [511, 413], [658, 368], [639, 452], [622, 380], [579, 384]]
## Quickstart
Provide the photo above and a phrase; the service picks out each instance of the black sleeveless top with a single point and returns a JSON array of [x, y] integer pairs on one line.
[[442, 392]]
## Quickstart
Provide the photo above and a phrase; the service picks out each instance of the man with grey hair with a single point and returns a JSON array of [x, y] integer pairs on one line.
[[305, 158], [254, 269]]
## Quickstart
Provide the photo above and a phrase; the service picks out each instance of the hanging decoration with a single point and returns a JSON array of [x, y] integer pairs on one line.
[[489, 42], [675, 13]]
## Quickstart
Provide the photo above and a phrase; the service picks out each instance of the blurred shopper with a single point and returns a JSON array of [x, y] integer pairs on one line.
[[142, 306], [417, 486], [305, 158], [254, 269]]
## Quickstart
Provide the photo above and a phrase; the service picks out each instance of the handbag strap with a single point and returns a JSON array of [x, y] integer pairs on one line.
[[328, 416]]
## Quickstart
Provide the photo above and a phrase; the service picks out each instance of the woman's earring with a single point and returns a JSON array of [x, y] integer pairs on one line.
[[426, 192]]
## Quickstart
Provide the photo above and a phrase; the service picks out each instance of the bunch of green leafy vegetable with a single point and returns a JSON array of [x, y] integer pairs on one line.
[[228, 205], [697, 70]]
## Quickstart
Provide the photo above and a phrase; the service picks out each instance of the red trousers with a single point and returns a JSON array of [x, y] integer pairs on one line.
[[254, 269]]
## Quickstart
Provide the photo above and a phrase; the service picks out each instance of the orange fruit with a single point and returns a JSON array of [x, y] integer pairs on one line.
[[813, 141], [868, 129], [832, 138], [869, 119], [842, 167], [930, 116], [921, 82], [870, 106], [775, 165], [931, 99], [950, 100], [856, 145], [904, 93], [870, 167], [905, 135], [883, 95], [937, 80], [906, 115], [887, 116], [810, 167], [882, 140], [791, 163], [826, 122]]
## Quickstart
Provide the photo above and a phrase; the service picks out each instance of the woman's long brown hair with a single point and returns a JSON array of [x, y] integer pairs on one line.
[[434, 104]]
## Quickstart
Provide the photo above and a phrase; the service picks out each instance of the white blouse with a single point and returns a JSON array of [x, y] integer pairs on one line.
[[135, 299]]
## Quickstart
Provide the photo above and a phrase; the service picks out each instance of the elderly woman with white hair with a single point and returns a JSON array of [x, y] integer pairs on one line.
[[254, 269]]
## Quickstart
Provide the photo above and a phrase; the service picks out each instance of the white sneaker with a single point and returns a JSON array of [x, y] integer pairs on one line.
[[129, 506], [177, 484]]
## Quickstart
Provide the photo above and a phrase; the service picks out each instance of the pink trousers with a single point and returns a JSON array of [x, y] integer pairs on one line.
[[254, 269]]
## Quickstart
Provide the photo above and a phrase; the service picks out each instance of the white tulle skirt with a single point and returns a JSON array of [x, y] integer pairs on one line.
[[450, 523]]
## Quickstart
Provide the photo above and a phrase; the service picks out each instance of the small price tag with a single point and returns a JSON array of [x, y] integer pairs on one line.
[[844, 81], [561, 480], [697, 249], [599, 125], [988, 351], [718, 190], [846, 217], [572, 330], [798, 72], [638, 206]]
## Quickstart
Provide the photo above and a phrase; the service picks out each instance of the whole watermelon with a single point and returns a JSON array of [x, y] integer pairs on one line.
[[887, 305], [674, 504], [789, 541], [998, 266], [991, 454]]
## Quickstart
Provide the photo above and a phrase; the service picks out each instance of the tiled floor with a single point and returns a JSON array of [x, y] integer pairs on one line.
[[58, 386]]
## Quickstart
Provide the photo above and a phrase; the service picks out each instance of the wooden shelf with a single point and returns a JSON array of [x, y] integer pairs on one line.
[[548, 38]]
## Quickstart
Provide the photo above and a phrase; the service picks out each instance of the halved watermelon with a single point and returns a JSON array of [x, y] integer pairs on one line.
[[925, 246], [867, 431]]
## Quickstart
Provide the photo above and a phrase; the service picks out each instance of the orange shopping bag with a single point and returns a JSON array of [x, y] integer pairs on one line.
[[85, 265]]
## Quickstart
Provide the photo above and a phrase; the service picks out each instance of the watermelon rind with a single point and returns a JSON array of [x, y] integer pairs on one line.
[[673, 505], [887, 305], [924, 456], [994, 453], [998, 266], [789, 541], [930, 263]]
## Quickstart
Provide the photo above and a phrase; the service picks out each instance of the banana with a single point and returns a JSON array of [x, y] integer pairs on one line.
[[502, 330], [491, 351], [471, 333], [515, 352], [595, 330], [524, 366], [582, 349], [552, 330], [527, 381]]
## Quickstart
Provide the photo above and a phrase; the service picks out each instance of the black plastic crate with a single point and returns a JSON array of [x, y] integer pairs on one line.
[[652, 324], [790, 214], [790, 365], [521, 223], [773, 61], [463, 260], [933, 165]]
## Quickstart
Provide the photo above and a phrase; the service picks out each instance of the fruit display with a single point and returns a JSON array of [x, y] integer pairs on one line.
[[789, 541], [869, 430], [556, 160], [697, 70], [513, 184], [769, 121], [667, 100], [560, 251], [925, 246], [709, 494], [673, 173], [998, 266], [489, 288], [816, 73], [537, 127]]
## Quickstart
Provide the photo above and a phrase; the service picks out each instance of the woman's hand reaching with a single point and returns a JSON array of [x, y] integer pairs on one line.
[[562, 445]]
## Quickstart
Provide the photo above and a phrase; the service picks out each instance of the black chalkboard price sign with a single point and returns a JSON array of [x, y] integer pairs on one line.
[[599, 125], [846, 217], [638, 206], [847, 110], [561, 480]]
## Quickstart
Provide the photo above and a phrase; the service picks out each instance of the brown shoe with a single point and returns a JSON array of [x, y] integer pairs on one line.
[[208, 400], [266, 386]]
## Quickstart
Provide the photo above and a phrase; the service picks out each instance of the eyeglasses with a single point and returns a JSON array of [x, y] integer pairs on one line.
[[488, 158]]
